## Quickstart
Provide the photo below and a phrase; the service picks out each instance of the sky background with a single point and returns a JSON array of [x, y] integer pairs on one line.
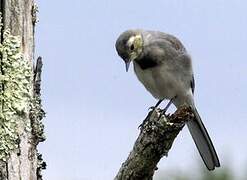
[[94, 107]]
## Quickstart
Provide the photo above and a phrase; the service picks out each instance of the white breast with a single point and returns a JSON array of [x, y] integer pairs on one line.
[[157, 81]]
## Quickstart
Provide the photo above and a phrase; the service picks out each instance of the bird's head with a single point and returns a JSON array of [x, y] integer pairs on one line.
[[129, 46]]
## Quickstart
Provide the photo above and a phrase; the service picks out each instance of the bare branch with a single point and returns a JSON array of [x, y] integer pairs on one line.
[[154, 141]]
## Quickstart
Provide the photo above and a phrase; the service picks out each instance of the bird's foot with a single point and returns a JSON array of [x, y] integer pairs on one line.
[[152, 108], [147, 118], [162, 113]]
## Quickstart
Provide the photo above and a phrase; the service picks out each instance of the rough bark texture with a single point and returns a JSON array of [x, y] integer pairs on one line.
[[154, 141], [24, 162]]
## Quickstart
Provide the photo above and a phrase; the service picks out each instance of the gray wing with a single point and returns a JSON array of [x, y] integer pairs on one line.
[[165, 48], [170, 39]]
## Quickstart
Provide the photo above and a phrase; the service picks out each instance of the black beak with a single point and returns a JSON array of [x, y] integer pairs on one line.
[[127, 65]]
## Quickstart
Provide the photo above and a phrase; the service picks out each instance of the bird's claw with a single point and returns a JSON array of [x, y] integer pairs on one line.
[[142, 124], [163, 113], [151, 108], [146, 119]]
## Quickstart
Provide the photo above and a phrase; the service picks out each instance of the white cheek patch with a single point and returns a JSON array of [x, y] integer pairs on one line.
[[131, 41], [137, 42]]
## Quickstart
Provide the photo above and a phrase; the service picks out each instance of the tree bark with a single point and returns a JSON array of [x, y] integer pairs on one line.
[[154, 141], [21, 128]]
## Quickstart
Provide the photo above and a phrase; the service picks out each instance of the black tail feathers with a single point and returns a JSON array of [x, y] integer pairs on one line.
[[203, 142]]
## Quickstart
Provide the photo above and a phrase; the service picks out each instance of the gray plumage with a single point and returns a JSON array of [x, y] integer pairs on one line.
[[164, 67]]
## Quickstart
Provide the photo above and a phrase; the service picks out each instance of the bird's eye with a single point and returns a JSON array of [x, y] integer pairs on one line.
[[132, 47]]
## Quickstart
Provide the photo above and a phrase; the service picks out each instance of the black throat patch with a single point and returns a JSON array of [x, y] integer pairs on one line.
[[146, 63]]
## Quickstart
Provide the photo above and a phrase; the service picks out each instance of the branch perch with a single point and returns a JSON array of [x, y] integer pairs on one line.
[[154, 141]]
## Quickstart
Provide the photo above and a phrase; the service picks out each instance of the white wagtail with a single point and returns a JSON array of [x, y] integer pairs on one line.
[[164, 67]]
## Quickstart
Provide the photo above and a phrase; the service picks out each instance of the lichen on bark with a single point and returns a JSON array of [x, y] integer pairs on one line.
[[15, 93], [21, 112]]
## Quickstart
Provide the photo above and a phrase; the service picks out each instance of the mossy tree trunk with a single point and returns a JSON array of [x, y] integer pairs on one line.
[[20, 105]]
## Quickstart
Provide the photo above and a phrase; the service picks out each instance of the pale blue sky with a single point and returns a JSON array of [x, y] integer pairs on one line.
[[94, 107]]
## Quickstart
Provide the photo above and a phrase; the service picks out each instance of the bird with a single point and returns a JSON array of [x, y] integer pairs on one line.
[[163, 65]]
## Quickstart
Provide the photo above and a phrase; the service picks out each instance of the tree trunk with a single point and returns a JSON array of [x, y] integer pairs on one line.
[[154, 141], [20, 105]]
